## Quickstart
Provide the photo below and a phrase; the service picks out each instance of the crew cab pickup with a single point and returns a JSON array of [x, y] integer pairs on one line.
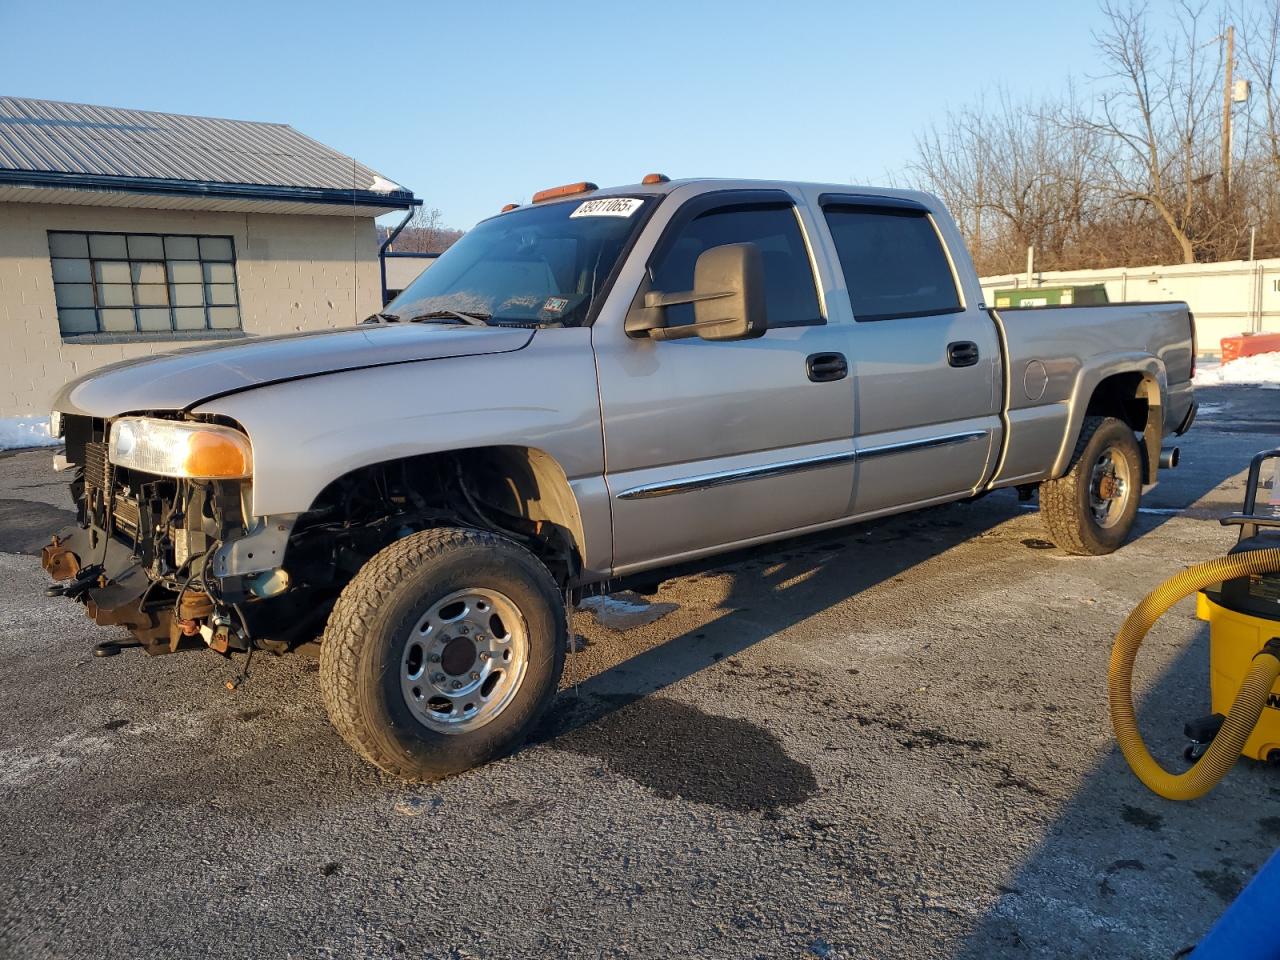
[[594, 384]]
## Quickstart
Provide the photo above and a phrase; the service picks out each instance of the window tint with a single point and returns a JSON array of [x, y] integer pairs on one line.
[[893, 262], [143, 283], [791, 298]]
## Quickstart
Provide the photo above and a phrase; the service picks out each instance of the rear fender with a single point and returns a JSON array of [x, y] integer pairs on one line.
[[1153, 387]]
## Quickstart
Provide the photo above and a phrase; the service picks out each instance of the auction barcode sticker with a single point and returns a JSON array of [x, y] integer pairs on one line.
[[608, 207]]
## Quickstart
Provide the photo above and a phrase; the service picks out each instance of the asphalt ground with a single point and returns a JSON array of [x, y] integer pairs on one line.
[[890, 741]]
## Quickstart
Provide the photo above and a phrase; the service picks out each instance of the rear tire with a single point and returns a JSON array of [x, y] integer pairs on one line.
[[443, 652], [1091, 510]]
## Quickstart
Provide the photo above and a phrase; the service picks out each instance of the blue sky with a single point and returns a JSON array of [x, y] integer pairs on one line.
[[473, 104]]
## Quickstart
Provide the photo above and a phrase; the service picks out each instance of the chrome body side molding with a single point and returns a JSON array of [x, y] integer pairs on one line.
[[869, 453], [706, 481]]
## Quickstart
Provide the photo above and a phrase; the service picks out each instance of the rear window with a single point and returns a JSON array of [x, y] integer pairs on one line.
[[893, 263]]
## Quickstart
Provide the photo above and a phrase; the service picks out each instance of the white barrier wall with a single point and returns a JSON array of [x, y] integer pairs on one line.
[[1229, 298]]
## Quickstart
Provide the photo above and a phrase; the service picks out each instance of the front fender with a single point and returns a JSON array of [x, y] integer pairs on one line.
[[307, 433]]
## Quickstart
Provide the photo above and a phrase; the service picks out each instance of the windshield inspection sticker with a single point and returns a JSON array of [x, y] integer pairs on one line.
[[555, 304], [608, 207]]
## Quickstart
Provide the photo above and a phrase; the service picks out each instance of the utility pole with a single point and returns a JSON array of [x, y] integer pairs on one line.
[[979, 202], [1227, 81]]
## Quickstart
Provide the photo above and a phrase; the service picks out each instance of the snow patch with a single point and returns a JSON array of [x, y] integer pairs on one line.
[[19, 432], [382, 185], [623, 613], [1261, 369]]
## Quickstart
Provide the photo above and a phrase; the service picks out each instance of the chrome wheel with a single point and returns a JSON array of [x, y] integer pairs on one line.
[[464, 660], [1109, 488]]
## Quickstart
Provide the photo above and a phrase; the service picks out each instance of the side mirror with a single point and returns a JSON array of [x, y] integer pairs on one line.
[[727, 297]]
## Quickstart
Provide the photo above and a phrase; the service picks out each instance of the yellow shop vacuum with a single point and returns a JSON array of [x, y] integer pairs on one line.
[[1239, 596]]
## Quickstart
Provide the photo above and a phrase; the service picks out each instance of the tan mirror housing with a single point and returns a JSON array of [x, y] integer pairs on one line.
[[727, 297]]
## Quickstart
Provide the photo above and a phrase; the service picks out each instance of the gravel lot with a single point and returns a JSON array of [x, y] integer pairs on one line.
[[888, 742]]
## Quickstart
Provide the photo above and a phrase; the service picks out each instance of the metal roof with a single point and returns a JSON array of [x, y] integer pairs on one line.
[[47, 143]]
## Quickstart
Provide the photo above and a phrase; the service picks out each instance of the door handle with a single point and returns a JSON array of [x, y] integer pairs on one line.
[[825, 367], [962, 353]]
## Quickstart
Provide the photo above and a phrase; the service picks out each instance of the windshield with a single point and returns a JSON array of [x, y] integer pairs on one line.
[[542, 265]]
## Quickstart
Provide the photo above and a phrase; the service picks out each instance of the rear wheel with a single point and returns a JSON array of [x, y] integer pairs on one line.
[[1091, 510], [442, 652]]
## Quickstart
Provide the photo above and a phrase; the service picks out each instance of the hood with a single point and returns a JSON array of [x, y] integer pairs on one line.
[[178, 380]]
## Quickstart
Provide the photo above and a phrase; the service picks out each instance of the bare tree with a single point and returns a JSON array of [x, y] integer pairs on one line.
[[1160, 118], [951, 161], [1137, 171], [426, 233], [1013, 178], [1260, 57]]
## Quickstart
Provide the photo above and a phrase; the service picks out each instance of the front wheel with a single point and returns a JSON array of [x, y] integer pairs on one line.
[[442, 652], [1091, 510]]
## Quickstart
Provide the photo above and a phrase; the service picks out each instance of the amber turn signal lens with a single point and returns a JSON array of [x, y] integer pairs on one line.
[[568, 190], [217, 455]]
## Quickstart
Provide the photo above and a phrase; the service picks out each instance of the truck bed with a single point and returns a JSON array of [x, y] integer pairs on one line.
[[1057, 355]]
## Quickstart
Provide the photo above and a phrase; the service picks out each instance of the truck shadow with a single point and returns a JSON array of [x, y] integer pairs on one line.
[[1109, 869], [619, 717], [777, 587], [678, 750]]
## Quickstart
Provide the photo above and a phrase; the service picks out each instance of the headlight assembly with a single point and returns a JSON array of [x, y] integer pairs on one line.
[[173, 448]]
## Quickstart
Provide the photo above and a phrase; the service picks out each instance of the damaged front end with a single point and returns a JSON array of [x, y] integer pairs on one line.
[[141, 554], [167, 544]]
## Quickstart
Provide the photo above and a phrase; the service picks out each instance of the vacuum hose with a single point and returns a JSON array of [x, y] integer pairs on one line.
[[1245, 711]]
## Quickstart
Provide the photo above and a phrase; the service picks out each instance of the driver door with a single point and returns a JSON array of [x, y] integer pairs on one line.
[[711, 443]]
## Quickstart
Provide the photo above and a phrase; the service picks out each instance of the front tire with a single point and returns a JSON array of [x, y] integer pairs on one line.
[[1091, 510], [443, 652]]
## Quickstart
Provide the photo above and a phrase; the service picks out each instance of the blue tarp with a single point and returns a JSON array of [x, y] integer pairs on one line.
[[1250, 929]]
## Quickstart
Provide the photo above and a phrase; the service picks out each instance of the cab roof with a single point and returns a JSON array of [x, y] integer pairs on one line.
[[716, 183]]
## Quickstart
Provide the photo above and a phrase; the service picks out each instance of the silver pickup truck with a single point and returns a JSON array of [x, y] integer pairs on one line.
[[595, 384]]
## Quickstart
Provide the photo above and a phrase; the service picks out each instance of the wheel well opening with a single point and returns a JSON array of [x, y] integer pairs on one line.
[[1133, 398], [528, 483], [519, 492], [1121, 396]]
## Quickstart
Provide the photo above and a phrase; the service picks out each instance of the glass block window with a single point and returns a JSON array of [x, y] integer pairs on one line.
[[143, 283]]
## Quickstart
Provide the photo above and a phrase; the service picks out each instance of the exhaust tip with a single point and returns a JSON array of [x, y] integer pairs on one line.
[[1169, 458]]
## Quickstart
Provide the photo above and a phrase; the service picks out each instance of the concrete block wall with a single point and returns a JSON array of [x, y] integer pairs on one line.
[[293, 272]]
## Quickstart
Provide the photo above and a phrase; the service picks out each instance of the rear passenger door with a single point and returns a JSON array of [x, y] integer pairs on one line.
[[926, 364]]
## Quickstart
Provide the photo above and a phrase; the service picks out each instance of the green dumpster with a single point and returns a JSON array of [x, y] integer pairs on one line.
[[1051, 296]]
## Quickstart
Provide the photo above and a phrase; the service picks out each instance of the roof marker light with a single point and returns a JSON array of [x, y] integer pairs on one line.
[[655, 178], [509, 206], [568, 190]]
